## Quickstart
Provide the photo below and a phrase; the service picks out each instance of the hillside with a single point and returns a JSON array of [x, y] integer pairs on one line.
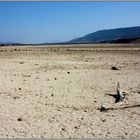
[[109, 35]]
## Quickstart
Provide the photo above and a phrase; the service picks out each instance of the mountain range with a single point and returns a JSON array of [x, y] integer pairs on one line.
[[119, 35]]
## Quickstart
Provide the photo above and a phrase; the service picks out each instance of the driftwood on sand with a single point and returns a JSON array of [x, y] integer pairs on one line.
[[120, 96], [105, 109]]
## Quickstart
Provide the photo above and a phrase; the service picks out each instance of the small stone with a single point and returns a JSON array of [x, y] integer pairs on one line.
[[37, 77], [126, 133], [21, 62], [114, 68], [16, 97], [108, 132], [63, 129], [19, 119], [103, 120], [19, 89], [76, 127], [102, 109], [68, 72]]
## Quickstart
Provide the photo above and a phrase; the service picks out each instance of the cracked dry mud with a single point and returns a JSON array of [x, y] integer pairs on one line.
[[55, 92]]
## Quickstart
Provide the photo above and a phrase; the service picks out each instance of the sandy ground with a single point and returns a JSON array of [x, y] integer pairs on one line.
[[56, 93]]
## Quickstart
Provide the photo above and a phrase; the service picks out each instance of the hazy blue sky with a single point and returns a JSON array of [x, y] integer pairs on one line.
[[37, 22]]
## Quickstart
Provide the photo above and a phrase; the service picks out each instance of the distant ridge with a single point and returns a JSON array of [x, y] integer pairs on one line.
[[119, 35], [110, 36]]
